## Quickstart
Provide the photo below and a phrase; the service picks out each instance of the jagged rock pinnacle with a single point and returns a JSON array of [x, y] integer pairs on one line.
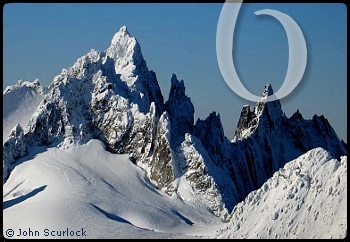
[[249, 121], [180, 109], [177, 89], [267, 90]]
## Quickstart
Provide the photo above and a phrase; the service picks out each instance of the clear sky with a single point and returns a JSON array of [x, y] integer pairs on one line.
[[41, 39]]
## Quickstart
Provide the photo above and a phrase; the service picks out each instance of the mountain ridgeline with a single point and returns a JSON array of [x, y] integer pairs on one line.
[[113, 97]]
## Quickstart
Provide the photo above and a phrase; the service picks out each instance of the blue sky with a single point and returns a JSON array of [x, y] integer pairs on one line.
[[41, 39]]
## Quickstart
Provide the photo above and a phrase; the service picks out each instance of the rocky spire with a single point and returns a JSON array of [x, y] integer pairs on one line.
[[181, 111], [211, 134], [268, 91], [249, 121], [161, 166], [274, 107], [130, 64]]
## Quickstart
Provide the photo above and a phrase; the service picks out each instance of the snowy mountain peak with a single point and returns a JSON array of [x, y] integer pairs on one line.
[[274, 108], [123, 33], [269, 139], [126, 52], [123, 29]]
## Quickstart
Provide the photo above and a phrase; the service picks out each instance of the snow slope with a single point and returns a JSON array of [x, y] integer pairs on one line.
[[86, 188], [307, 199], [103, 193]]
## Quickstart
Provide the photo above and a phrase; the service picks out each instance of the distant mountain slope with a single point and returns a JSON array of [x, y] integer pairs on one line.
[[19, 103]]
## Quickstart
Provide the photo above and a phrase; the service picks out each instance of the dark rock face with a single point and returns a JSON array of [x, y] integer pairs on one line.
[[180, 110], [308, 134], [260, 140], [211, 134], [161, 161], [244, 120], [224, 159], [15, 146]]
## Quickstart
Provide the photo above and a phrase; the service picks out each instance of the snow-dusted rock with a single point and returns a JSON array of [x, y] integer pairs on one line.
[[161, 163], [13, 149], [249, 121], [201, 177]]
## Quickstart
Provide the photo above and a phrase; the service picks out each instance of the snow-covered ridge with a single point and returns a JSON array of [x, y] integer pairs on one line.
[[307, 198], [22, 83]]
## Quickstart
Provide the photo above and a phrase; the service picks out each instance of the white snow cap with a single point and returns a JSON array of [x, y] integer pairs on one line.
[[124, 50], [122, 33]]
